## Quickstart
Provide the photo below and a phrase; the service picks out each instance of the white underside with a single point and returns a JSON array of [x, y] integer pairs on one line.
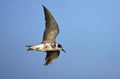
[[44, 47]]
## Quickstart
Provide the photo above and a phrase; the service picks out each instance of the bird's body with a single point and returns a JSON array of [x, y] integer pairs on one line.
[[49, 44], [44, 47]]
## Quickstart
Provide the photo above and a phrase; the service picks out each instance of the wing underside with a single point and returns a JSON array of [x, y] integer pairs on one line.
[[51, 56], [51, 27]]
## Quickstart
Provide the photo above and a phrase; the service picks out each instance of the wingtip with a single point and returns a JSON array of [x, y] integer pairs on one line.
[[43, 6], [45, 64]]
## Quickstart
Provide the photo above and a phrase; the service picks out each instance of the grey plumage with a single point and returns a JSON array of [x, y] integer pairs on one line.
[[50, 33], [51, 29], [51, 56], [49, 44]]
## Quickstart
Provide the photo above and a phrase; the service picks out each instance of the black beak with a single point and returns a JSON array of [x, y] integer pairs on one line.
[[63, 50]]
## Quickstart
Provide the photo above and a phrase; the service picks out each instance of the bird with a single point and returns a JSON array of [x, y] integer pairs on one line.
[[48, 43]]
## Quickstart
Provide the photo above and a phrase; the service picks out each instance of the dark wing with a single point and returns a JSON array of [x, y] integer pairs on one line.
[[51, 29], [51, 57]]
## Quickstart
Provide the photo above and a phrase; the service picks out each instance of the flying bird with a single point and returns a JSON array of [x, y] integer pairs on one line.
[[49, 44]]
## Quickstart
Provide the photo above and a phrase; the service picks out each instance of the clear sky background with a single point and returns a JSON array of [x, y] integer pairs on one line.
[[89, 32]]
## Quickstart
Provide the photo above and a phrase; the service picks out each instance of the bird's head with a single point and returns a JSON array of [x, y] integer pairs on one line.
[[60, 47]]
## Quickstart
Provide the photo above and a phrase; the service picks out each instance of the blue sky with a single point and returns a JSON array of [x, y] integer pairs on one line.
[[89, 32]]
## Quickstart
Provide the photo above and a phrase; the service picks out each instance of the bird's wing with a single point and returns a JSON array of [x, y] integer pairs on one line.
[[51, 29], [51, 56]]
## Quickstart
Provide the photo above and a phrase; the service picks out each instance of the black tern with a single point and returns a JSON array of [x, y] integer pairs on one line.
[[49, 44]]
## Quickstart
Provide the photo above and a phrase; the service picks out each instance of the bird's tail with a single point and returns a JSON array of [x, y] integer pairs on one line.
[[30, 47]]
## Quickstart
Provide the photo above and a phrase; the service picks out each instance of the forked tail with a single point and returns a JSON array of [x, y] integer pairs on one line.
[[30, 47]]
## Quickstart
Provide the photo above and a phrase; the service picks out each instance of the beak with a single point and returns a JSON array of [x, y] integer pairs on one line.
[[63, 50]]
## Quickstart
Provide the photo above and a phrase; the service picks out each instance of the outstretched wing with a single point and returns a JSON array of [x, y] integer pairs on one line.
[[51, 29], [51, 56]]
